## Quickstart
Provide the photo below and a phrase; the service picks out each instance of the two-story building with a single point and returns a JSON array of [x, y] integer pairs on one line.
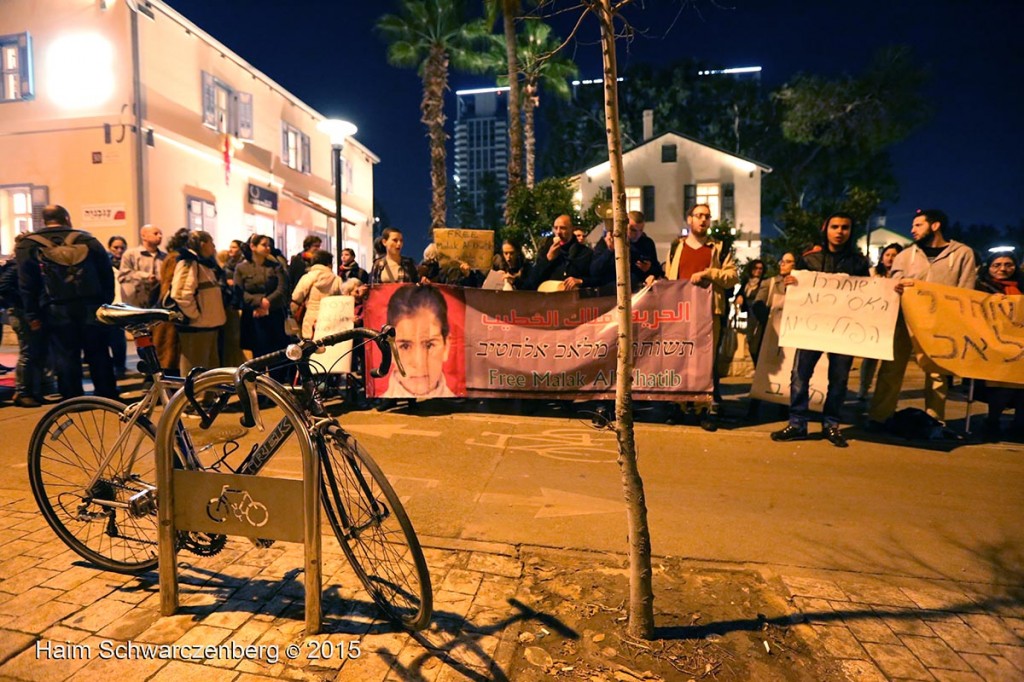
[[669, 173], [127, 113]]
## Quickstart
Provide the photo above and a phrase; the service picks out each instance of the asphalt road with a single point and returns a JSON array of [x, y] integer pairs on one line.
[[880, 508]]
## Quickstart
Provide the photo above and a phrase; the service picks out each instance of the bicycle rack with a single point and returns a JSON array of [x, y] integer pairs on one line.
[[232, 504]]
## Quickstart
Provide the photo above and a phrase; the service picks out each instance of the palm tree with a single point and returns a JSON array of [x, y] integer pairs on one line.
[[433, 35], [510, 10]]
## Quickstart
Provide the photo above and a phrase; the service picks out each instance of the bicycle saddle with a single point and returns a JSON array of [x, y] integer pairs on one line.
[[122, 315]]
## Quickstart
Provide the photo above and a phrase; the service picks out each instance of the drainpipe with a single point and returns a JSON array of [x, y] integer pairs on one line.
[[140, 142]]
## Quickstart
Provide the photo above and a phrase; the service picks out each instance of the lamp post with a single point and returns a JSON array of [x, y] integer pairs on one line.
[[338, 131]]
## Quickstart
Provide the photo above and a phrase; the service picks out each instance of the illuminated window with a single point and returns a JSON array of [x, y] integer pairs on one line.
[[15, 215], [711, 194], [202, 214], [225, 109], [15, 67], [634, 199], [294, 148]]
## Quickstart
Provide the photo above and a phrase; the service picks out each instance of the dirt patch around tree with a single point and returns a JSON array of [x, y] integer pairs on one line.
[[711, 624]]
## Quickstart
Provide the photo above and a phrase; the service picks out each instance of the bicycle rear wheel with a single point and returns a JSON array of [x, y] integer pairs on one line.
[[374, 531], [112, 522]]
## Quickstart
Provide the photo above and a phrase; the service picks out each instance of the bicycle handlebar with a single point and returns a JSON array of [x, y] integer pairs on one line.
[[245, 375]]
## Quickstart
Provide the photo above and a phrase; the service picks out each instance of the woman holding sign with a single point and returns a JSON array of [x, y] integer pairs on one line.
[[1001, 275], [836, 253]]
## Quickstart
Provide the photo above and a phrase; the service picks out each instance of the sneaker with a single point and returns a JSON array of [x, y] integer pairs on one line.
[[709, 422], [791, 432], [835, 436], [27, 401]]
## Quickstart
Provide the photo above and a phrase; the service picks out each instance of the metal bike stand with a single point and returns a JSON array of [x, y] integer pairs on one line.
[[201, 501]]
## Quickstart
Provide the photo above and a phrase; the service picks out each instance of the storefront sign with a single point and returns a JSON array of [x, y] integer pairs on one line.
[[103, 215], [262, 197]]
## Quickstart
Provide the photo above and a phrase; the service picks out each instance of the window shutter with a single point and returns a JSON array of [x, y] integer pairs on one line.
[[25, 66], [608, 193], [209, 101], [40, 198], [306, 168], [244, 101], [689, 198], [729, 202], [647, 203], [284, 143], [668, 153]]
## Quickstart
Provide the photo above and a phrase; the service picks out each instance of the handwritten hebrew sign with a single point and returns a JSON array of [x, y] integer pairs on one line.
[[475, 247], [772, 375], [837, 313], [337, 314], [966, 333]]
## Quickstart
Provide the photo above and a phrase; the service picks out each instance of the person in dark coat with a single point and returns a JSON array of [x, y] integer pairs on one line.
[[261, 286], [561, 258]]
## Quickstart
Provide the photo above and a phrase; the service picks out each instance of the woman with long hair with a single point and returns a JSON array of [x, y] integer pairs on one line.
[[261, 287], [512, 262], [1001, 274], [869, 366], [165, 334], [318, 283], [196, 288]]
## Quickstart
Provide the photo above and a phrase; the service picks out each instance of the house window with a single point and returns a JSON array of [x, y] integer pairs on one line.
[[346, 175], [15, 215], [634, 199], [711, 194], [225, 109], [668, 153], [295, 148], [202, 214], [15, 67]]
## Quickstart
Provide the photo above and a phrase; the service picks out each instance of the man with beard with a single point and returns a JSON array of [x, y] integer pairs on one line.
[[561, 259], [932, 258]]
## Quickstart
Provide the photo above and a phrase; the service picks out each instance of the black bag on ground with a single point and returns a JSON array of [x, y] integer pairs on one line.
[[68, 272]]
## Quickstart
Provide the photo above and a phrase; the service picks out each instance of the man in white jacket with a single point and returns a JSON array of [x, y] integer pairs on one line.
[[932, 258]]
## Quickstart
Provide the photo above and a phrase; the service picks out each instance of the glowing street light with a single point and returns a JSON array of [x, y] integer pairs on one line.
[[338, 131]]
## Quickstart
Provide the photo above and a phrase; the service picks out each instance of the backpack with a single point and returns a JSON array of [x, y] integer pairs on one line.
[[68, 272]]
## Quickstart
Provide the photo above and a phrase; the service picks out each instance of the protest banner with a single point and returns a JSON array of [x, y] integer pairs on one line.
[[772, 375], [475, 247], [838, 313], [966, 333], [560, 345], [337, 314]]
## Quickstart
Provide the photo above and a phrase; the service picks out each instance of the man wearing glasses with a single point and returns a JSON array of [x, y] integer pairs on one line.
[[931, 258], [699, 259]]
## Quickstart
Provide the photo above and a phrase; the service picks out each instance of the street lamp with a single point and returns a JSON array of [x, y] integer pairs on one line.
[[338, 131]]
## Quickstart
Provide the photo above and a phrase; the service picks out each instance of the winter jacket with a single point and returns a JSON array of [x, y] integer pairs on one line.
[[137, 265], [954, 266], [722, 271], [850, 261], [572, 260], [254, 282], [195, 287], [406, 272], [315, 285]]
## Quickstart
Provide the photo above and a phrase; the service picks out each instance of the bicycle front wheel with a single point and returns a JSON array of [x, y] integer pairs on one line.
[[95, 487], [374, 531]]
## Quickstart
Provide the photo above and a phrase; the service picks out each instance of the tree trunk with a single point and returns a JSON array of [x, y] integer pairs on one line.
[[641, 593], [515, 125], [529, 104], [435, 82]]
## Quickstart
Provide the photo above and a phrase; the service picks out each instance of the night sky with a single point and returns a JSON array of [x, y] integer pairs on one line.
[[966, 160]]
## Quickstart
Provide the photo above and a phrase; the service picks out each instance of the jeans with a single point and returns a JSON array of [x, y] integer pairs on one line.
[[33, 358], [799, 388]]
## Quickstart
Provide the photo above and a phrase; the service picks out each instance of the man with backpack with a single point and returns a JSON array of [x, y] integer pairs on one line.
[[64, 275]]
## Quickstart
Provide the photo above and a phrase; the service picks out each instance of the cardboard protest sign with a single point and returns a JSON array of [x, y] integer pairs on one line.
[[966, 333], [475, 247], [837, 313], [773, 373], [337, 314]]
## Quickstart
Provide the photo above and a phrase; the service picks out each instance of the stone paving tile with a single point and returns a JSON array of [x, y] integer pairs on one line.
[[70, 578], [813, 587], [26, 602], [839, 642], [938, 598], [249, 677], [130, 625], [497, 593], [56, 664], [16, 565], [43, 616], [167, 629], [816, 610], [957, 676], [26, 580], [493, 564], [137, 668], [461, 580], [962, 638], [203, 635], [864, 624], [231, 614], [62, 633], [862, 671], [880, 594], [11, 643], [934, 653], [993, 629], [904, 622], [992, 668], [1014, 654], [897, 661], [87, 592], [250, 632], [179, 671], [98, 615]]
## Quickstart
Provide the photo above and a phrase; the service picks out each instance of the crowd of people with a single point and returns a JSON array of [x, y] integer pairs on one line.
[[249, 299]]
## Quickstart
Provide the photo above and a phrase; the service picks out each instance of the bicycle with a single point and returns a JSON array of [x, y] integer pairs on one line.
[[361, 507]]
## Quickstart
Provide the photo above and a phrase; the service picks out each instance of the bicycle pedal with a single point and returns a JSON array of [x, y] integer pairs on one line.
[[262, 543]]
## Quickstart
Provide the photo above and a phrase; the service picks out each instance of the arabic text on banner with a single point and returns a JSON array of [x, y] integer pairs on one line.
[[967, 333], [837, 313], [560, 345]]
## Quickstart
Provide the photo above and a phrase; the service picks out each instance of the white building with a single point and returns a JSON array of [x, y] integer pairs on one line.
[[126, 113], [668, 174]]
